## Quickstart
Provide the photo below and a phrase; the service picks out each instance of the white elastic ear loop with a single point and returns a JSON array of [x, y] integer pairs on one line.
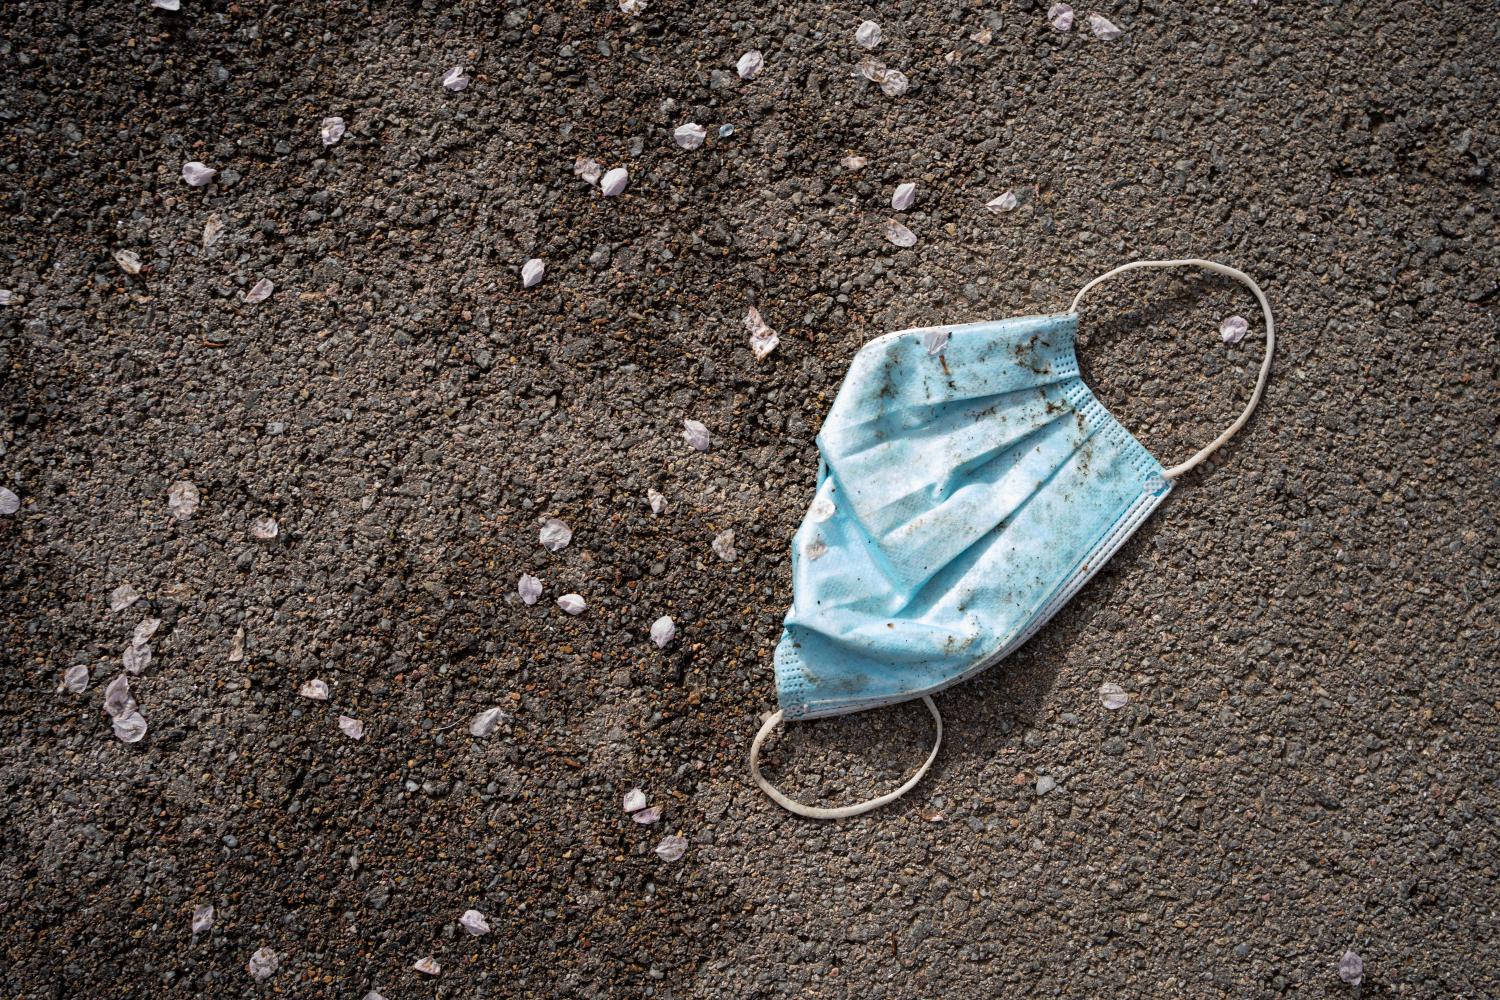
[[1265, 366], [839, 812]]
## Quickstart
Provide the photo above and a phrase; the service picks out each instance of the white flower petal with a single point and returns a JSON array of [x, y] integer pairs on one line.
[[454, 80], [635, 800], [899, 235], [130, 727], [169, 5], [573, 604], [203, 918], [895, 83], [936, 341], [117, 699], [763, 339], [690, 135], [1061, 16], [9, 502], [264, 528], [1104, 28], [427, 966], [695, 434], [1352, 968], [123, 597], [750, 65], [473, 921], [656, 500], [136, 658], [182, 500], [613, 182], [486, 722], [259, 292], [867, 35], [145, 630], [663, 631], [212, 230], [532, 271], [129, 262], [723, 546], [237, 645], [1233, 329], [853, 163], [1113, 696], [332, 130], [671, 848], [1045, 783], [1003, 203], [983, 36], [352, 728], [530, 588], [263, 964], [822, 509], [9, 297], [588, 169], [197, 174], [555, 535], [633, 7], [905, 194], [76, 679], [315, 689], [647, 816]]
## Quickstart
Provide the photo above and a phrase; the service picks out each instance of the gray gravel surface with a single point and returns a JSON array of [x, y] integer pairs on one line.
[[1306, 628]]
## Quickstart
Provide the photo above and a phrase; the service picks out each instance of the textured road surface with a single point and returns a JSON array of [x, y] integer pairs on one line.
[[1306, 629]]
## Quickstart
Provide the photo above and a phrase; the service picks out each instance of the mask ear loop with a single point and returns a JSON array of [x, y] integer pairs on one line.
[[838, 812], [1265, 366]]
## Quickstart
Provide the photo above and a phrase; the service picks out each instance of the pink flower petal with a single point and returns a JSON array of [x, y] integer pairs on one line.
[[197, 174], [473, 921], [672, 848], [263, 964], [723, 546], [555, 535], [663, 631], [1112, 696], [750, 65], [899, 235], [454, 80], [695, 434], [260, 291], [1104, 28], [203, 918]]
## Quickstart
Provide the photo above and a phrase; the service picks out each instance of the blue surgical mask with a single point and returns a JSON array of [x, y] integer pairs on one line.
[[970, 485]]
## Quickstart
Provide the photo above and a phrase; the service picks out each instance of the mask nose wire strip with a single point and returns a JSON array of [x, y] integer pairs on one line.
[[1265, 366], [838, 812]]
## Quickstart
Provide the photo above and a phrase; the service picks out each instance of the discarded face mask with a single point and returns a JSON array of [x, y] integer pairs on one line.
[[968, 488]]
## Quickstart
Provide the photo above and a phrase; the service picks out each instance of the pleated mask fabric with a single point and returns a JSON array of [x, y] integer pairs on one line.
[[969, 485]]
